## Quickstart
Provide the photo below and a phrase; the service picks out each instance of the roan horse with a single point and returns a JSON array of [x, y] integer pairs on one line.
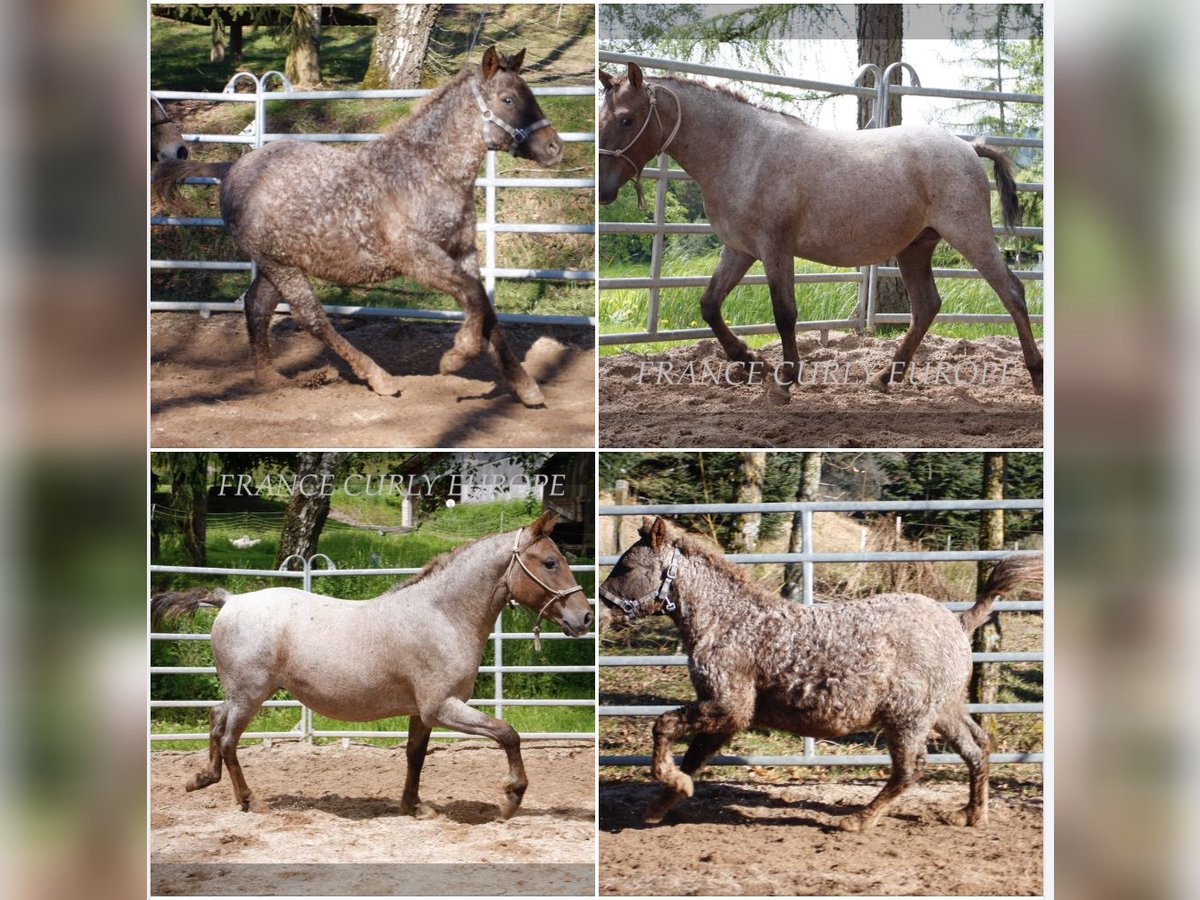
[[776, 188], [896, 662], [166, 140], [413, 651], [402, 205]]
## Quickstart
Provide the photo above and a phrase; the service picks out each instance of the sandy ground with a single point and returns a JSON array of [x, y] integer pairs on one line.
[[994, 406], [334, 824], [744, 839], [203, 393]]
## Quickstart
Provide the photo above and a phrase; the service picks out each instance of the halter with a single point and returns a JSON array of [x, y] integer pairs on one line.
[[155, 119], [554, 593], [652, 90], [629, 607], [518, 135]]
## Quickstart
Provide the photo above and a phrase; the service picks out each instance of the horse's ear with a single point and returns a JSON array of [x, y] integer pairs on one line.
[[544, 525], [654, 530], [606, 80], [491, 63], [515, 62], [635, 76]]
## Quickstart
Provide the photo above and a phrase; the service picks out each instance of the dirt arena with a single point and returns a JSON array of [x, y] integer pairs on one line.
[[993, 403], [203, 393], [745, 839], [334, 824]]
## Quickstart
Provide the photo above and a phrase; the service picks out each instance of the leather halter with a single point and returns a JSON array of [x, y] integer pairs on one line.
[[554, 593], [518, 135], [662, 593], [652, 91]]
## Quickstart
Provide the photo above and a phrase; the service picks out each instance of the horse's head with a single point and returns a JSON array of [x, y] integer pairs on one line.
[[166, 140], [513, 120], [642, 581], [540, 579], [632, 130]]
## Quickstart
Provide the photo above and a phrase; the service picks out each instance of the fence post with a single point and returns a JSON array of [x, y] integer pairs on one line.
[[656, 243], [489, 236], [621, 498], [806, 546], [498, 681]]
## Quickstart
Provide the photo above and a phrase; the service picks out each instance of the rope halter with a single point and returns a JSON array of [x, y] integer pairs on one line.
[[652, 91], [555, 594], [160, 116], [662, 593], [518, 135]]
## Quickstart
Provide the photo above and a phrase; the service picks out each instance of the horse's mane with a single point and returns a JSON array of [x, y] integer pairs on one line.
[[435, 565], [728, 92], [694, 546]]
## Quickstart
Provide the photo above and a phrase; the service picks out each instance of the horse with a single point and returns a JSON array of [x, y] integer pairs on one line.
[[776, 188], [412, 651], [402, 205], [896, 662], [166, 140]]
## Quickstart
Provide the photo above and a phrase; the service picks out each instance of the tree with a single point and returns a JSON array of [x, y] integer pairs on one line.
[[308, 508], [806, 491], [303, 64], [401, 44], [985, 678], [748, 488], [187, 473]]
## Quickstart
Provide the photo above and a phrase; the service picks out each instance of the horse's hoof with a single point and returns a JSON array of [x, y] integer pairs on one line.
[[385, 385], [879, 383], [453, 360], [661, 805], [967, 816], [270, 380], [775, 396], [529, 394], [417, 810], [254, 805], [509, 806], [854, 822]]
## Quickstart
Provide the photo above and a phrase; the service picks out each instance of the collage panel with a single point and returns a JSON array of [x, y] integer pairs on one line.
[[821, 673], [372, 673], [802, 215], [385, 220]]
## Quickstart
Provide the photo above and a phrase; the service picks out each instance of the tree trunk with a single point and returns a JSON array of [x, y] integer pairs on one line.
[[401, 43], [188, 474], [303, 64], [985, 677], [308, 509], [880, 41], [806, 491], [235, 43], [752, 468]]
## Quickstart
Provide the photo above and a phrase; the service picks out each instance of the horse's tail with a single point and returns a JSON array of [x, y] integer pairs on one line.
[[1005, 183], [1011, 573], [170, 172], [172, 605]]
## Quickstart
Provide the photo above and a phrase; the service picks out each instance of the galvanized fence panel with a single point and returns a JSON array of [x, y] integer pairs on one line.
[[490, 268], [807, 558], [305, 729], [864, 316]]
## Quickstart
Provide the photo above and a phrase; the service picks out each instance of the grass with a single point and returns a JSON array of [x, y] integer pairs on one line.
[[625, 311]]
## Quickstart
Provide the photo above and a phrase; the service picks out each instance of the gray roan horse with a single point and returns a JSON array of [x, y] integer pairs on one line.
[[413, 651], [776, 188], [895, 662], [166, 140], [402, 205]]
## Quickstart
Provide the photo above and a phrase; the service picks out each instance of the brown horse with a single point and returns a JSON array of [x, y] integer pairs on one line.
[[402, 205], [413, 651], [776, 188], [166, 140], [895, 662]]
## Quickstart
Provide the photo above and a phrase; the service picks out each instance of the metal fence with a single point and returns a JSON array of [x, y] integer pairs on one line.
[[256, 136], [864, 316], [305, 729], [807, 557]]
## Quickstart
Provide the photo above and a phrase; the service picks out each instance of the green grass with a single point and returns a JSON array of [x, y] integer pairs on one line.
[[624, 311]]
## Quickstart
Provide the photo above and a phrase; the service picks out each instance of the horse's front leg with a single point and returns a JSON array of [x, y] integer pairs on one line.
[[713, 722], [732, 266], [454, 713], [781, 278]]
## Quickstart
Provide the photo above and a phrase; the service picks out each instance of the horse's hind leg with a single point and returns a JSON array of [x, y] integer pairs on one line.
[[216, 728], [454, 713], [261, 300], [916, 270], [239, 715], [906, 749], [418, 744], [730, 269], [980, 249], [295, 288], [781, 271], [972, 743]]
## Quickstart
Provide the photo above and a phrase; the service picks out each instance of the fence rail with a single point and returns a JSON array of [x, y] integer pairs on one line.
[[807, 558], [864, 316], [490, 269], [305, 728]]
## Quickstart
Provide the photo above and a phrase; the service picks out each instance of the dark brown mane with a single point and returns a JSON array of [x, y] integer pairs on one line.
[[428, 100], [695, 546], [436, 564]]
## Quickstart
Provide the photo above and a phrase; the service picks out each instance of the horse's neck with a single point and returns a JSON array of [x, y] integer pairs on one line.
[[708, 597], [448, 129], [713, 128]]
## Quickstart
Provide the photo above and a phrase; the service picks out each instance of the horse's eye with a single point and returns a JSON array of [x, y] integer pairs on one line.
[[626, 121], [508, 100], [551, 564]]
